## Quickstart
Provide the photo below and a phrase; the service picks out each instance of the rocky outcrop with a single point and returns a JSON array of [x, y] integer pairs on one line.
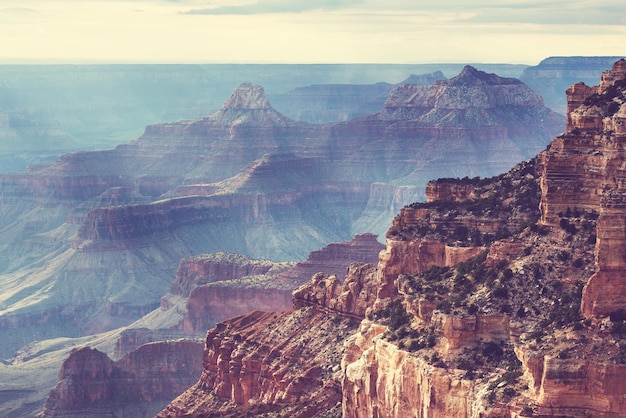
[[206, 268], [583, 172], [567, 385], [91, 384], [327, 293]]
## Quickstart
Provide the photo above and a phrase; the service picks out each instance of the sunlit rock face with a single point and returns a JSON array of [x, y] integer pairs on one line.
[[285, 362], [583, 171]]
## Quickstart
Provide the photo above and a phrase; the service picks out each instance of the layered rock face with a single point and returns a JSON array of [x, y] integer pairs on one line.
[[584, 171], [91, 384], [280, 363]]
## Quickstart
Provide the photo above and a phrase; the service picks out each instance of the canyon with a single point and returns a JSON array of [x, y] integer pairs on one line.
[[496, 297], [94, 240]]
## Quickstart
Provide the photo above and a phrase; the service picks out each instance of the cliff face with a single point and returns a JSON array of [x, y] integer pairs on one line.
[[91, 384], [285, 363], [584, 173]]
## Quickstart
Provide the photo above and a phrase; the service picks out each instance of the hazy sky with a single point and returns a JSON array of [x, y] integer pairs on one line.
[[308, 31]]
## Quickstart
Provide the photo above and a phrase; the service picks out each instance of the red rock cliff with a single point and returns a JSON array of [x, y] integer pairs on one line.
[[285, 363]]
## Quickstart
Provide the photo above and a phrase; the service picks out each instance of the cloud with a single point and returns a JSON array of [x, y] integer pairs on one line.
[[559, 12], [274, 6]]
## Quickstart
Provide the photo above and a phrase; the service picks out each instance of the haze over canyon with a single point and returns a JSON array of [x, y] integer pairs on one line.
[[118, 261]]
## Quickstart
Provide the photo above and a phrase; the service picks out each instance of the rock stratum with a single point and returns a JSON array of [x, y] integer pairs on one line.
[[497, 297]]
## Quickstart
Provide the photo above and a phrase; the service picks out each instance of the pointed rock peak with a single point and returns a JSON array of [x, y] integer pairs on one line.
[[468, 70], [471, 74], [247, 96]]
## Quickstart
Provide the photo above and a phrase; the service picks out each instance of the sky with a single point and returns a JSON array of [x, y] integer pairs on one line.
[[308, 31]]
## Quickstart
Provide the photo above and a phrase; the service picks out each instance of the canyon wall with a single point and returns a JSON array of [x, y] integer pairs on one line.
[[584, 172], [287, 362]]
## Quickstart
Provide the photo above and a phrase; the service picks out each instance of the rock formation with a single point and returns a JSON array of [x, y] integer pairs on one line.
[[584, 173], [498, 297], [285, 363], [139, 384]]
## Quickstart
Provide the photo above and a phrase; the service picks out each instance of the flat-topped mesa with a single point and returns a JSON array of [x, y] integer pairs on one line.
[[449, 189]]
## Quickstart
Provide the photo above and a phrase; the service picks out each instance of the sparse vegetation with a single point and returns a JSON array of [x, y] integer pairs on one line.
[[506, 203]]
